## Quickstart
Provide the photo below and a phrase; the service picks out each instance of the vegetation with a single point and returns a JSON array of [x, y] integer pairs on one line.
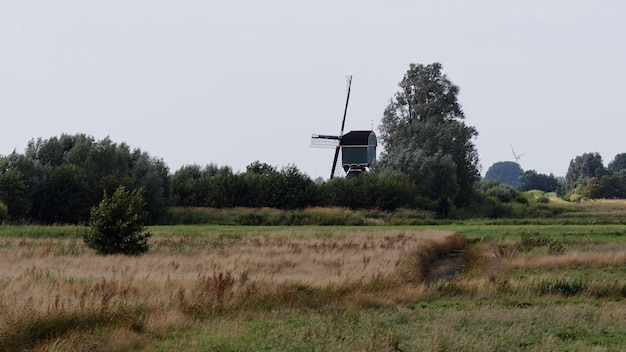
[[505, 172], [524, 286], [587, 178], [531, 180], [117, 224], [274, 261], [58, 180], [426, 139]]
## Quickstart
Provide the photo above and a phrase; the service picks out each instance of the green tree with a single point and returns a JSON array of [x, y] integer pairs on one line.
[[500, 191], [425, 138], [384, 190], [61, 178], [13, 192], [65, 199], [117, 224], [583, 167], [187, 186], [612, 186], [295, 188], [261, 182], [507, 172], [530, 180], [617, 164], [4, 212]]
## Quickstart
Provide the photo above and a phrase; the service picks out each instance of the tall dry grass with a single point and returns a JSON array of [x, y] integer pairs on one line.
[[53, 288]]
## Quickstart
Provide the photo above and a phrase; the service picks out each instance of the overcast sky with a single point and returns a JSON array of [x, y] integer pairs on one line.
[[234, 81]]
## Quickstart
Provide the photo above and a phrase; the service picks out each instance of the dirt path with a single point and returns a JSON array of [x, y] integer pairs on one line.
[[445, 267]]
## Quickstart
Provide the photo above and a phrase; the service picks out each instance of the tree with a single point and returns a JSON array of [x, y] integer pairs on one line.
[[60, 179], [117, 224], [13, 193], [583, 167], [425, 138], [612, 186], [4, 212], [617, 164], [507, 172], [530, 180]]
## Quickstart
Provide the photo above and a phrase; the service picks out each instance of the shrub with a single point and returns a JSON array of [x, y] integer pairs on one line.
[[528, 241], [117, 224], [556, 247], [521, 200]]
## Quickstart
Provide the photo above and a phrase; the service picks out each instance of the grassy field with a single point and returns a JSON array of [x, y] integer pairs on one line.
[[557, 285]]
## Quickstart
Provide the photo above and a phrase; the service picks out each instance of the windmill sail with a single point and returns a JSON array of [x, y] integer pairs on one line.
[[343, 124], [355, 151]]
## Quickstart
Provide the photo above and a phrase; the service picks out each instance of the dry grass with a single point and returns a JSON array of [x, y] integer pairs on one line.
[[588, 254], [57, 287]]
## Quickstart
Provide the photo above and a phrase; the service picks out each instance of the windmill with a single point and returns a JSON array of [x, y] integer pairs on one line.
[[516, 156], [358, 148]]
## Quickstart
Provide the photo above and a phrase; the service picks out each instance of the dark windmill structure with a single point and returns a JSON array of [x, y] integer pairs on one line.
[[357, 149]]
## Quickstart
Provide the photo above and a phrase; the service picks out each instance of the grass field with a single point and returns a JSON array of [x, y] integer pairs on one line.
[[535, 286]]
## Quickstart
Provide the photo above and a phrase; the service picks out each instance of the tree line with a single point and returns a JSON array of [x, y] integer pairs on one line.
[[429, 162], [58, 180], [587, 178]]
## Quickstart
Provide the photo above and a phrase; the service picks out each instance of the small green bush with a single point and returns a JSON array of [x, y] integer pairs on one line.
[[522, 200], [528, 241], [556, 247], [117, 224]]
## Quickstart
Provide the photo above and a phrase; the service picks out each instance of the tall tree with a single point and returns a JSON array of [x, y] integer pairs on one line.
[[507, 172], [582, 168], [532, 180], [424, 136], [617, 164]]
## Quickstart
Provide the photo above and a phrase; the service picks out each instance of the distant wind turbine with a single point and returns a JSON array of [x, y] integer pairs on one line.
[[516, 156]]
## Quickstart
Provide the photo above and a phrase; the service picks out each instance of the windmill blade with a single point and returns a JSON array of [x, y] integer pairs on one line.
[[324, 141], [345, 110], [343, 124], [332, 170]]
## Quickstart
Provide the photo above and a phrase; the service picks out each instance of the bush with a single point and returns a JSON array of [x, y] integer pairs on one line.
[[556, 247], [543, 200], [117, 224]]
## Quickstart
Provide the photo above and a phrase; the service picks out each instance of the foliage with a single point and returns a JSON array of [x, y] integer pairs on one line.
[[532, 180], [617, 164], [13, 193], [297, 217], [582, 168], [611, 186], [506, 172], [261, 185], [425, 138], [385, 190], [502, 192], [4, 212], [57, 180], [117, 224]]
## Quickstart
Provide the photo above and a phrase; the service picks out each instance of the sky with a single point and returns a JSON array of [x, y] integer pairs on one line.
[[233, 82]]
